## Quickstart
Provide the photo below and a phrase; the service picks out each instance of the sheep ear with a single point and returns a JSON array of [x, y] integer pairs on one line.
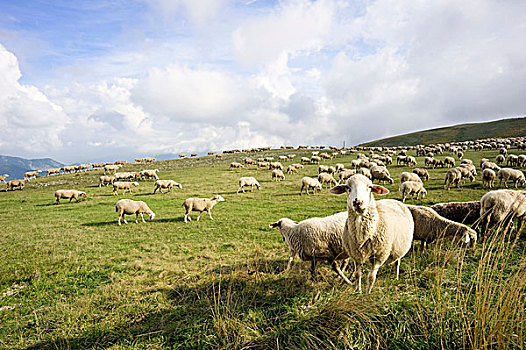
[[275, 224], [339, 189], [379, 189]]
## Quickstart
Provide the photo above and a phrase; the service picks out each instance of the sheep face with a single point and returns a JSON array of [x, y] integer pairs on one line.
[[151, 215], [219, 198], [359, 193]]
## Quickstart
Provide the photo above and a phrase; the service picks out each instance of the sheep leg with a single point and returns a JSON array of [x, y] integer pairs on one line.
[[336, 268], [57, 202], [136, 218], [397, 268], [371, 278], [198, 216], [301, 190], [155, 189], [142, 218], [359, 276], [313, 269], [210, 214]]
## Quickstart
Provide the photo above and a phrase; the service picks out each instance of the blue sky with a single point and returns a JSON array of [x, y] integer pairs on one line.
[[100, 80]]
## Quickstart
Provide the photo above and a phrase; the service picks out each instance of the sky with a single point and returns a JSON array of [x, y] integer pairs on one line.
[[95, 80]]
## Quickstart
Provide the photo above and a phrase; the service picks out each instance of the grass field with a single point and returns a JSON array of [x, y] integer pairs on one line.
[[219, 284]]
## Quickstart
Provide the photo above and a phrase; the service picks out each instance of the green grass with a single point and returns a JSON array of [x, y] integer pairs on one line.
[[512, 127], [219, 284]]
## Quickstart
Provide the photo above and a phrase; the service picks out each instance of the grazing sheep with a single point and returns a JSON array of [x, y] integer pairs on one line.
[[449, 161], [31, 174], [365, 172], [106, 180], [291, 169], [347, 173], [278, 175], [11, 185], [512, 160], [407, 176], [453, 176], [236, 165], [275, 165], [248, 181], [500, 207], [430, 226], [169, 184], [250, 161], [412, 188], [110, 168], [305, 160], [3, 177], [69, 194], [380, 173], [377, 232], [514, 175], [53, 171], [500, 159], [460, 154], [315, 159], [124, 176], [298, 166], [309, 182], [422, 173], [489, 165], [149, 173], [262, 164], [315, 239], [130, 207], [464, 212], [121, 185], [323, 169], [488, 177], [324, 178], [339, 167], [200, 205]]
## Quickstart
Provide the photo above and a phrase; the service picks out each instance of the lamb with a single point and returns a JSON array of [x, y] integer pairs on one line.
[[149, 173], [169, 184], [500, 207], [377, 232], [200, 205], [430, 226], [315, 239], [106, 180], [406, 176], [248, 181], [514, 175], [236, 165], [412, 188], [11, 185], [3, 177], [327, 178], [309, 182], [69, 194], [464, 212], [121, 185], [381, 173], [422, 173], [278, 175], [488, 177], [130, 207]]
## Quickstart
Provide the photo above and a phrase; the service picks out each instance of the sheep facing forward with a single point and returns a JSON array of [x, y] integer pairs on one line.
[[200, 205], [169, 184], [377, 232], [121, 185], [69, 194], [248, 181], [430, 226], [315, 239], [130, 207]]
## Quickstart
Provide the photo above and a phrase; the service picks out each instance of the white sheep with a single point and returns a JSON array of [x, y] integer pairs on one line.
[[315, 239], [108, 167], [149, 173], [121, 185], [325, 178], [236, 165], [11, 185], [377, 232], [31, 174], [488, 177], [69, 194], [106, 180], [422, 173], [248, 181], [381, 173], [130, 207], [430, 226], [169, 184], [412, 188], [464, 212], [200, 205], [309, 182], [453, 176], [500, 207], [514, 175], [407, 176], [347, 173], [291, 169], [278, 175]]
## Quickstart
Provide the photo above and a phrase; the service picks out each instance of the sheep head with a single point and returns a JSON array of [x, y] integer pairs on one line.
[[359, 192]]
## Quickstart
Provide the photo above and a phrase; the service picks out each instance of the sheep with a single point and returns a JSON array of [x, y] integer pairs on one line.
[[124, 176], [291, 169], [248, 181], [453, 176], [381, 173], [3, 177], [347, 173], [200, 205], [315, 239], [380, 232], [169, 184], [464, 212], [430, 226], [149, 173], [130, 207], [250, 161], [410, 161], [31, 174], [521, 160], [413, 188], [305, 160], [298, 166], [278, 175], [365, 172], [339, 167], [512, 160], [323, 169], [489, 165], [69, 194], [315, 159], [309, 182], [449, 161], [500, 207], [111, 167], [106, 180], [262, 164], [514, 175], [11, 185], [236, 165], [488, 177], [53, 171], [500, 159], [327, 178], [407, 176], [422, 173], [118, 185]]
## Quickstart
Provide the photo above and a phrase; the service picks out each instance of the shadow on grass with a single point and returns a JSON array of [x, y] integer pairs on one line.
[[177, 219], [46, 205], [103, 223]]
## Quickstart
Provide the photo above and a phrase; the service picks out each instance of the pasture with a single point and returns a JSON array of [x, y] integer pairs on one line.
[[219, 284]]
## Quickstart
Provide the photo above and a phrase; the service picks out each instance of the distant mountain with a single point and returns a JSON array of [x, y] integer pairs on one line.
[[16, 166], [513, 127]]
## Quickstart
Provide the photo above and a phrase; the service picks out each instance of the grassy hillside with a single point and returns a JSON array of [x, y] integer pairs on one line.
[[16, 166], [220, 284], [502, 128]]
